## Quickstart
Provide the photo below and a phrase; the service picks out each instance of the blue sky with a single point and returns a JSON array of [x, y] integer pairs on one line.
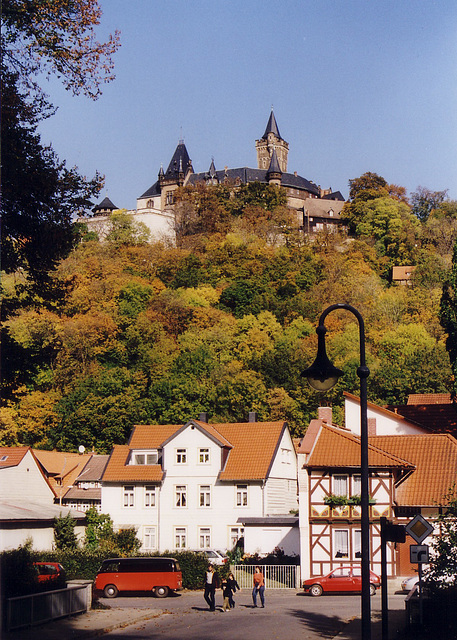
[[356, 86]]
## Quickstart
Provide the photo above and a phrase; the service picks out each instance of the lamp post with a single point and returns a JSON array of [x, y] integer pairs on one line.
[[322, 376]]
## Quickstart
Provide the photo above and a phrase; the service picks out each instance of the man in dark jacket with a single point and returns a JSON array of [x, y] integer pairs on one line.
[[211, 584]]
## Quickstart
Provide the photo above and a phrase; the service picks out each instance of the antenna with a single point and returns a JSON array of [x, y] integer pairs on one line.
[[81, 448]]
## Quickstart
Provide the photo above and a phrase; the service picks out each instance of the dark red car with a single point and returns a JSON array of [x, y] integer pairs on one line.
[[50, 572], [340, 580]]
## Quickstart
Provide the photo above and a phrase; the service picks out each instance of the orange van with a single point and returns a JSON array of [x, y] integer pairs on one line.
[[157, 575]]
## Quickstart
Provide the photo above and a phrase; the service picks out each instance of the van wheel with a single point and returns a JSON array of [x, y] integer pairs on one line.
[[372, 589], [110, 591], [316, 590], [160, 592]]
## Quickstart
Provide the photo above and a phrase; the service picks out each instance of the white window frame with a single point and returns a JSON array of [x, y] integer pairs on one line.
[[144, 457], [181, 496], [204, 537], [241, 495], [128, 496], [235, 533], [203, 455], [149, 496], [356, 485], [180, 536], [204, 495], [337, 481], [357, 544], [340, 541], [181, 455], [150, 538], [286, 455]]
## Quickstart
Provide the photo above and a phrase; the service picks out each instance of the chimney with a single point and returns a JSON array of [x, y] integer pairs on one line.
[[203, 417], [252, 416], [325, 414], [371, 426]]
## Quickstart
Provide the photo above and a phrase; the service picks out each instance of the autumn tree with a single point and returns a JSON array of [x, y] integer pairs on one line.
[[424, 201], [39, 194], [448, 314]]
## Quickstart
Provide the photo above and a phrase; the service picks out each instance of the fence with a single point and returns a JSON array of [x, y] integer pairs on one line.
[[25, 611], [277, 576]]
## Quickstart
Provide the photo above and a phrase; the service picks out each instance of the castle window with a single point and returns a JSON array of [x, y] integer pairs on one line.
[[150, 204], [169, 197]]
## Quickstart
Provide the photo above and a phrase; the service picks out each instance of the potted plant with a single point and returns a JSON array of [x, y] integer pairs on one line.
[[335, 501]]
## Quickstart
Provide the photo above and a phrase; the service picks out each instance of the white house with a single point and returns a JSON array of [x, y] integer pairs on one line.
[[192, 486], [27, 508], [381, 421]]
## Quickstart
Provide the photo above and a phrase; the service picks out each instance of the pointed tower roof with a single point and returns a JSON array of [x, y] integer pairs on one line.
[[271, 127], [274, 164], [105, 205], [180, 161], [212, 169]]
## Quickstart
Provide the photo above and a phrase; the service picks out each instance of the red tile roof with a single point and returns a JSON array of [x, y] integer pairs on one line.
[[338, 448], [13, 456], [435, 459], [429, 398], [252, 447], [117, 469]]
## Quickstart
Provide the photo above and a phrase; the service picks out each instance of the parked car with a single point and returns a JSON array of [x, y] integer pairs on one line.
[[157, 575], [343, 579], [408, 583], [50, 573], [214, 557]]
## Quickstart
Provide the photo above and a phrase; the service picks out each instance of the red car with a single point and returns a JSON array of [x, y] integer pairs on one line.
[[50, 572], [341, 580]]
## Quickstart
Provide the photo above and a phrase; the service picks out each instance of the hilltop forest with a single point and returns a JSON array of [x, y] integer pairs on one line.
[[126, 331]]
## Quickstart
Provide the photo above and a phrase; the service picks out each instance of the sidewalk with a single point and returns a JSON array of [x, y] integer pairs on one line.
[[397, 621]]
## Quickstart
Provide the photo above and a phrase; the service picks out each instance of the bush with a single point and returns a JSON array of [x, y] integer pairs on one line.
[[18, 575]]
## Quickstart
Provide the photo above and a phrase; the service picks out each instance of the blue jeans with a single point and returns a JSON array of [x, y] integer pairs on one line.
[[261, 592]]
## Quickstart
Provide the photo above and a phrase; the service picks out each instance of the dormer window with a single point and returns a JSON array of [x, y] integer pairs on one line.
[[145, 457]]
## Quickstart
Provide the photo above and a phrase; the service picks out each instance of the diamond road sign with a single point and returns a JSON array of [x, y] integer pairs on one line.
[[419, 528]]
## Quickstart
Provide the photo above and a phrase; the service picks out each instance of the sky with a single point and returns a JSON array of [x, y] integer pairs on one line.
[[356, 86]]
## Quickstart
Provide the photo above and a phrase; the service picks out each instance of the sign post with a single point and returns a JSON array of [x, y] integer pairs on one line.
[[419, 529]]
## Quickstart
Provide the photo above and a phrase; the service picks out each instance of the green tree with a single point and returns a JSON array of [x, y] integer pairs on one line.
[[442, 571], [424, 201], [124, 230], [64, 533], [57, 37], [448, 314]]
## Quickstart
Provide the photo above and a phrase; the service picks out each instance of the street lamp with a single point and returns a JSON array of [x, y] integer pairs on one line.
[[322, 376]]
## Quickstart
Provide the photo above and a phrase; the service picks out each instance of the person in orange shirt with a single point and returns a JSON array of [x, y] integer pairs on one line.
[[259, 587]]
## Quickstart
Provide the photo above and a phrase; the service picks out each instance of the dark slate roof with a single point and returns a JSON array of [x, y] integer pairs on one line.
[[105, 204], [272, 127], [438, 418], [335, 195], [246, 174], [180, 161], [274, 164], [75, 493], [154, 190]]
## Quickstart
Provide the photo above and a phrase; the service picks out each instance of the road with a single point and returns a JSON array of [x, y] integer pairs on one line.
[[288, 615]]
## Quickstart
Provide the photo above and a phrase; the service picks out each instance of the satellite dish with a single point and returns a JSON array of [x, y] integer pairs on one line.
[[81, 448]]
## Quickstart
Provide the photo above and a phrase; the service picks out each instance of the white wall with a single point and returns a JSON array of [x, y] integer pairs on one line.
[[387, 423], [263, 539], [25, 480]]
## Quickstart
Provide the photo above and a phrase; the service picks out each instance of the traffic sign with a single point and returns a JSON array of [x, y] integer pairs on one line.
[[418, 528], [418, 553]]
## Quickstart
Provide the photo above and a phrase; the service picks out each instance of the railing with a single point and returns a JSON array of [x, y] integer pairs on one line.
[[25, 611], [277, 576]]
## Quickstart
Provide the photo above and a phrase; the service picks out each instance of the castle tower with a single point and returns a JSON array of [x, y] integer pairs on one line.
[[274, 172], [269, 142]]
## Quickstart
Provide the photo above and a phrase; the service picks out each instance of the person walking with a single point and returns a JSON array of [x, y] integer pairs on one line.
[[233, 584], [211, 584], [259, 587]]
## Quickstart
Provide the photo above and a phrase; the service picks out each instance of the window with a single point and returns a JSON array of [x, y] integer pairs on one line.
[[181, 456], [204, 537], [150, 204], [242, 495], [146, 458], [205, 496], [181, 496], [286, 455], [203, 456], [357, 543], [235, 534], [129, 495], [169, 197], [180, 538], [149, 496], [341, 543], [356, 485], [340, 485], [149, 538]]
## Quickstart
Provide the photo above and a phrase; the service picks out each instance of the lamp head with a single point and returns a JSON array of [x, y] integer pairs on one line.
[[322, 375]]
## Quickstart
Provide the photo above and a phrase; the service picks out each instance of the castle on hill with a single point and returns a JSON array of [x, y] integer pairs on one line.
[[316, 208]]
